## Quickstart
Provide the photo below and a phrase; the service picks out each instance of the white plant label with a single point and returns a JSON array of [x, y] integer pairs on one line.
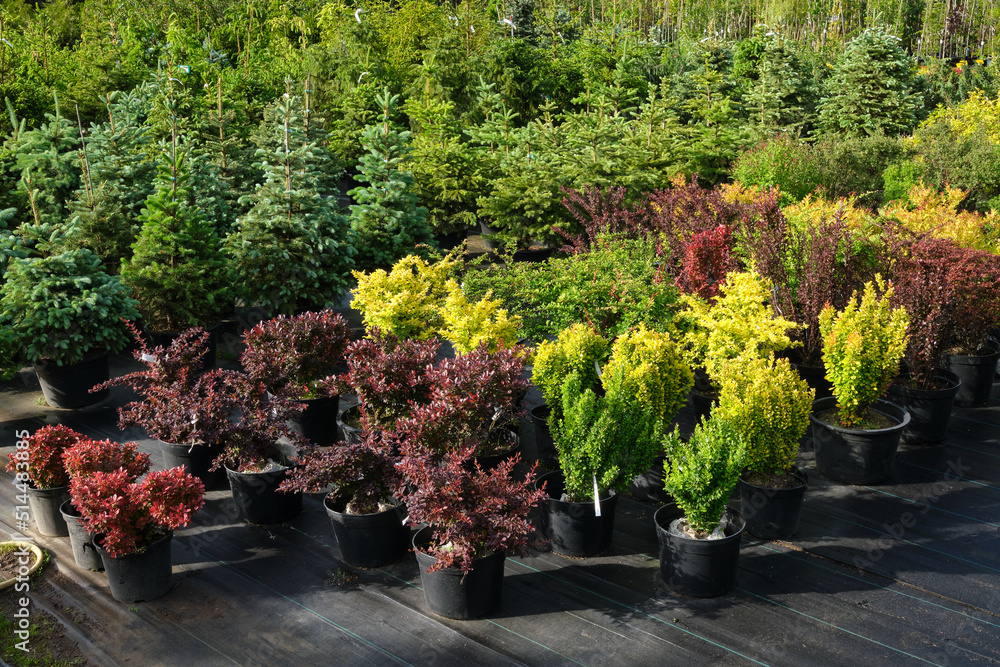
[[597, 496]]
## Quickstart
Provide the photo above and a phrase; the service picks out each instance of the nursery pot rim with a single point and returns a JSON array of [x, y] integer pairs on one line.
[[98, 540], [828, 402], [553, 474], [796, 471], [423, 537], [730, 511], [333, 495], [35, 550]]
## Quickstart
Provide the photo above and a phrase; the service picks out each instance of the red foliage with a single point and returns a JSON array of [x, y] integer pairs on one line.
[[599, 213], [89, 456], [707, 259], [292, 354], [472, 513], [44, 456], [131, 515]]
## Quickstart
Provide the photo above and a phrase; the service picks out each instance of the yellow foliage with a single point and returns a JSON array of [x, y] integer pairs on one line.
[[648, 366], [975, 113], [936, 213], [467, 325]]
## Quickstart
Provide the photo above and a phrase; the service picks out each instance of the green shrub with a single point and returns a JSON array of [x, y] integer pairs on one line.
[[573, 352], [467, 324], [862, 347], [781, 162]]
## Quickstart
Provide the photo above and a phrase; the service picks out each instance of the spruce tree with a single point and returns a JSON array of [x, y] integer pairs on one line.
[[871, 89], [177, 271], [779, 99], [386, 220], [292, 249]]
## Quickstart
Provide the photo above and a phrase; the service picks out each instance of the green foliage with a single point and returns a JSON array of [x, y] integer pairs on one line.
[[293, 249], [740, 324], [701, 473], [781, 162], [64, 307], [780, 99], [871, 89], [853, 166], [862, 347], [613, 287], [406, 301], [767, 401], [467, 325], [386, 220], [177, 271], [617, 436], [573, 352]]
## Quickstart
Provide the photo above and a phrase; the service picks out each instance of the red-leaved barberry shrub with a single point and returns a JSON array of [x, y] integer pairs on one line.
[[363, 474], [922, 287], [600, 213], [388, 375], [707, 259], [974, 276], [293, 354], [131, 515], [472, 513], [44, 456], [89, 456]]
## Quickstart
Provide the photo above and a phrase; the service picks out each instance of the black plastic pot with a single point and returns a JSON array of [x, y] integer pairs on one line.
[[930, 409], [977, 375], [45, 504], [702, 404], [257, 497], [166, 338], [699, 568], [574, 528], [545, 448], [196, 460], [318, 421], [369, 540], [451, 240], [346, 420], [452, 594], [857, 456], [139, 577], [773, 514], [815, 377], [509, 445], [80, 540], [68, 386]]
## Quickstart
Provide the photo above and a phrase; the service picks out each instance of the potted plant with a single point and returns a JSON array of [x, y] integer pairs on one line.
[[82, 460], [927, 391], [132, 522], [974, 276], [604, 442], [576, 349], [740, 322], [255, 462], [769, 404], [67, 313], [388, 375], [37, 463], [466, 325], [366, 518], [856, 433], [473, 519], [405, 301], [292, 356], [178, 272], [188, 412], [699, 535]]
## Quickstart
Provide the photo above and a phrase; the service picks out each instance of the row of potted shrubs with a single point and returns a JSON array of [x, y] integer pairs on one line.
[[424, 421]]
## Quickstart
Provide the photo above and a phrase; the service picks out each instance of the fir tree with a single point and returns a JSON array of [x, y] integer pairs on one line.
[[177, 271], [292, 250], [778, 100], [386, 220], [871, 90]]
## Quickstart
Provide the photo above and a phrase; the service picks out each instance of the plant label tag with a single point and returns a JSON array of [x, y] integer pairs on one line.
[[597, 496], [148, 358]]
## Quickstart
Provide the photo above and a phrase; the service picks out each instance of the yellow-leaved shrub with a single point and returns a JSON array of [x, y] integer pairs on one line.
[[466, 325]]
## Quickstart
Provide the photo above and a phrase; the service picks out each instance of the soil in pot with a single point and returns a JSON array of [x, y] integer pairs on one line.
[[68, 386], [369, 540], [80, 540], [257, 497], [930, 409], [452, 594], [44, 505], [856, 456], [771, 508], [977, 374], [142, 576], [699, 568], [574, 528]]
